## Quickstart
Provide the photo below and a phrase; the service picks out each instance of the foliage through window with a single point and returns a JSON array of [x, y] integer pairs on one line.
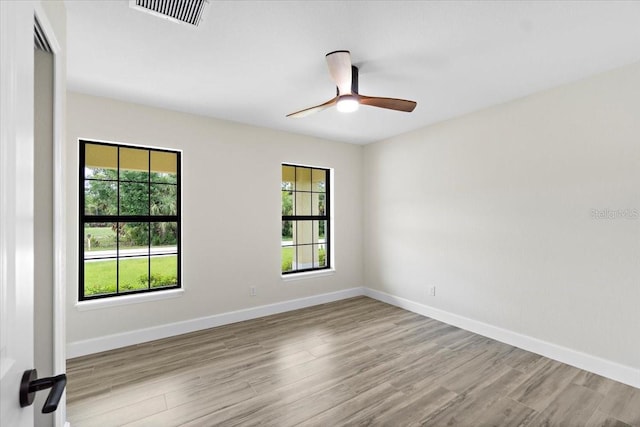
[[129, 219], [305, 219]]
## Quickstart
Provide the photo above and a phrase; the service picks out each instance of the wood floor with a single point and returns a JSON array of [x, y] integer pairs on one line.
[[352, 362]]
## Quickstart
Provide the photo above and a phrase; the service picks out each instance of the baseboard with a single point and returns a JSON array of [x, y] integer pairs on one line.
[[606, 368], [110, 342]]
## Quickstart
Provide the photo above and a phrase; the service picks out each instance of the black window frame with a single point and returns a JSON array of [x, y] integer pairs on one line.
[[119, 219], [326, 217]]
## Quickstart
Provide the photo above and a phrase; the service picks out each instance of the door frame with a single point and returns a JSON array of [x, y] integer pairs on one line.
[[59, 198]]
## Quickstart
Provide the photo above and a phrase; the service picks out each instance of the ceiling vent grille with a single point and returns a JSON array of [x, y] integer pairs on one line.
[[187, 11], [40, 39]]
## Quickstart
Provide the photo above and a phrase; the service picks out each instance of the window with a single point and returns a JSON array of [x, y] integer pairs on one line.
[[129, 220], [305, 219]]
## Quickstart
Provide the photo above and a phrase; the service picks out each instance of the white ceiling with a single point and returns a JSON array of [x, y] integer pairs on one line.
[[256, 61]]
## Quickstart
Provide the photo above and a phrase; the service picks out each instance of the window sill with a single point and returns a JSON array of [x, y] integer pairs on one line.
[[307, 275], [128, 299]]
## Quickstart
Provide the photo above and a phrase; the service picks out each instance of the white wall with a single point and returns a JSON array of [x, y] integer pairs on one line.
[[495, 210], [231, 212]]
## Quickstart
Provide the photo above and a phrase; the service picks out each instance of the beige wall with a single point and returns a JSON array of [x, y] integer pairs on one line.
[[495, 210], [231, 212], [43, 222]]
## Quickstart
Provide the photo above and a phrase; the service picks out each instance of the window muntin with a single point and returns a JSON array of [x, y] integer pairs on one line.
[[305, 244], [129, 220]]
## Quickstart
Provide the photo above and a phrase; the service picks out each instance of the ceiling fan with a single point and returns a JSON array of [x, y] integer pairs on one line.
[[347, 98]]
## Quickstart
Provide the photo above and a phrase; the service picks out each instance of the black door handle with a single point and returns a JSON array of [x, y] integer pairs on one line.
[[30, 385]]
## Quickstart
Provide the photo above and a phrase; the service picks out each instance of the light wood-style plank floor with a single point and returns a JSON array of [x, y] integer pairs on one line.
[[352, 362]]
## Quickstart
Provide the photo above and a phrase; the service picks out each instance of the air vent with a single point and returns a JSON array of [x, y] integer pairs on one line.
[[40, 39], [187, 11]]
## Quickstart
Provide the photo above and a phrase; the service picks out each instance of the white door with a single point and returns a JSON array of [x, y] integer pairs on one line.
[[16, 207]]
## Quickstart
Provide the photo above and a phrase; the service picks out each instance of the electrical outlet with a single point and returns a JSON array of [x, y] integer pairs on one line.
[[432, 291], [252, 291]]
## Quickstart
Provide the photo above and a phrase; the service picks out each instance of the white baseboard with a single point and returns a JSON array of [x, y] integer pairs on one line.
[[606, 368], [110, 342]]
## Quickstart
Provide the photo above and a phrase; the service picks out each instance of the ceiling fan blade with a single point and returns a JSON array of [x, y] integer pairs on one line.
[[311, 110], [339, 63], [389, 103]]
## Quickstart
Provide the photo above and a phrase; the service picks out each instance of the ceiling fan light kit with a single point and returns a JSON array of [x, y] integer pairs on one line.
[[348, 100], [347, 104]]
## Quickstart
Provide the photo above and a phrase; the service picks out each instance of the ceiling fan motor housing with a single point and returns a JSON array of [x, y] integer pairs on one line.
[[354, 81]]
